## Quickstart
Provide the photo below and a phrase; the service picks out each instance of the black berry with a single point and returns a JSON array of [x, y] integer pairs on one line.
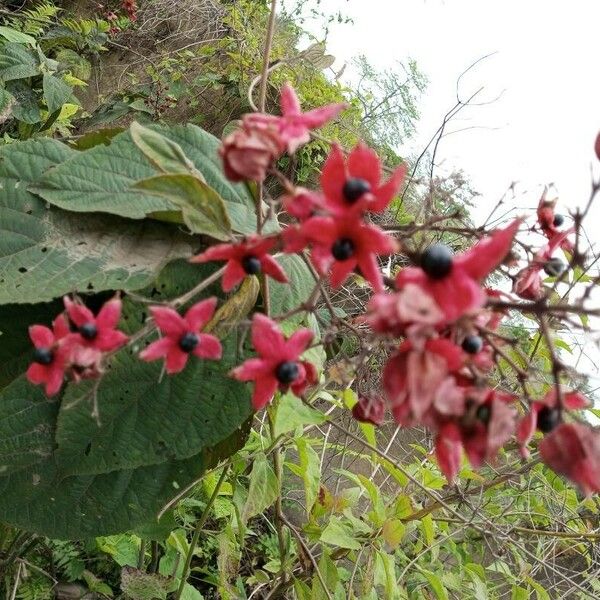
[[554, 267], [472, 344], [188, 341], [342, 249], [484, 412], [43, 356], [88, 331], [558, 220], [436, 261], [547, 419], [251, 265], [287, 372], [354, 188]]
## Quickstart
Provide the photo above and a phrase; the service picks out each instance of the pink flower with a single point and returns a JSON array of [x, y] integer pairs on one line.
[[546, 414], [392, 313], [528, 282], [99, 332], [50, 356], [455, 282], [249, 152], [248, 257], [369, 409], [343, 244], [550, 222], [573, 450], [303, 203], [294, 126], [355, 185], [279, 365], [182, 336], [486, 425], [418, 380]]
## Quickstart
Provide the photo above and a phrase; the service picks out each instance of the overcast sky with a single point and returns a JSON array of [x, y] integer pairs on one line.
[[545, 66], [542, 128]]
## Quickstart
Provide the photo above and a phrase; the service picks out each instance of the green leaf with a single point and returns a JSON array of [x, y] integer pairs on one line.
[[519, 593], [164, 154], [97, 137], [7, 102], [146, 419], [393, 532], [428, 529], [12, 35], [263, 488], [385, 574], [310, 468], [337, 533], [292, 412], [56, 92], [46, 253], [287, 296], [203, 209], [17, 62], [436, 585], [101, 179], [73, 61], [26, 106]]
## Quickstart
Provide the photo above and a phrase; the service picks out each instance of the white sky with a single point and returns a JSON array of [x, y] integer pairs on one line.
[[543, 127], [545, 122]]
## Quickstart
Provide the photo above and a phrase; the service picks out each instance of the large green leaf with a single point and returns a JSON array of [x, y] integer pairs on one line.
[[17, 62], [287, 296], [56, 92], [25, 105], [101, 179], [146, 419], [45, 252], [7, 101], [203, 209]]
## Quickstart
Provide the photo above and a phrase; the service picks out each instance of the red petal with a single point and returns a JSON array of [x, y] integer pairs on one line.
[[253, 368], [41, 336], [449, 351], [369, 267], [448, 450], [234, 273], [364, 164], [209, 347], [158, 349], [456, 294], [218, 252], [37, 373], [78, 313], [176, 359], [169, 321], [290, 105], [575, 401], [525, 430], [271, 267], [322, 258], [297, 343], [487, 254], [200, 314], [340, 270], [109, 314], [374, 240], [110, 340], [264, 390], [333, 175], [319, 116], [386, 193], [60, 327], [267, 338], [323, 230], [55, 381]]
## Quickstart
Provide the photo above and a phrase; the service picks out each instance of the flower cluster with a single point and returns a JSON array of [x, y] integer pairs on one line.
[[438, 315], [75, 345]]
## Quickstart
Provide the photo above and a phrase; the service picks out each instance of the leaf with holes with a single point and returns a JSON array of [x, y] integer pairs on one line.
[[45, 252], [101, 179]]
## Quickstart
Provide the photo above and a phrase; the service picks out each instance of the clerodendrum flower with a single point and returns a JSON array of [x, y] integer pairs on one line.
[[573, 450], [50, 355], [247, 257], [97, 332], [183, 336], [341, 245], [454, 282], [354, 185], [279, 365]]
